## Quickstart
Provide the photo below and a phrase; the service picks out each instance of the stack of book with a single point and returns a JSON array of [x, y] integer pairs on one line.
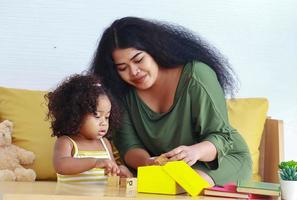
[[245, 190]]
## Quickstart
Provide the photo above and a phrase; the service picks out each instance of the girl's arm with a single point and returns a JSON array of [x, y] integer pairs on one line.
[[63, 161], [109, 148], [124, 171]]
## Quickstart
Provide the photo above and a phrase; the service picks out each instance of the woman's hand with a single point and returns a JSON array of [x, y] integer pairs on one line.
[[189, 154], [125, 172], [110, 167], [150, 161]]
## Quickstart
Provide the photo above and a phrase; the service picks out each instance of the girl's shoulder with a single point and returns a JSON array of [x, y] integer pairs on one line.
[[106, 141], [65, 138], [64, 141]]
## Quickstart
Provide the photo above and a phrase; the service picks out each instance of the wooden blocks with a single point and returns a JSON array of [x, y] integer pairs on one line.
[[113, 181], [161, 160], [128, 183]]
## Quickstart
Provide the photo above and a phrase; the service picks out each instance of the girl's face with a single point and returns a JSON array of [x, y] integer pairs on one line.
[[96, 126], [136, 67]]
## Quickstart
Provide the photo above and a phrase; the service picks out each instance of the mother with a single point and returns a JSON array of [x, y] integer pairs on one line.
[[172, 86]]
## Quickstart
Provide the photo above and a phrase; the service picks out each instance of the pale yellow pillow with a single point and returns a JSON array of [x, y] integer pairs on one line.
[[248, 116], [27, 110]]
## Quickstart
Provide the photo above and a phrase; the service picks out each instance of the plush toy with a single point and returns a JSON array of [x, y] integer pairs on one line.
[[13, 157]]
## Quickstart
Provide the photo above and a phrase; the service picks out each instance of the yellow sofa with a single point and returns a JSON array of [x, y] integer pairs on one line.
[[27, 110]]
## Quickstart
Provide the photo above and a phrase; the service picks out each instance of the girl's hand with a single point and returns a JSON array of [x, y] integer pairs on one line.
[[110, 167], [125, 172], [189, 154]]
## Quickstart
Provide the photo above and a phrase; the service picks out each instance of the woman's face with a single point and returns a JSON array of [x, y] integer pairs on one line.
[[136, 67]]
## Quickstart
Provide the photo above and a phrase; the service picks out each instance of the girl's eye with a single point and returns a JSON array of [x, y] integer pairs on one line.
[[107, 117]]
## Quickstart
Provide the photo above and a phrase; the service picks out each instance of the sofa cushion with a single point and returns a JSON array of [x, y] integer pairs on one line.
[[27, 110], [248, 116]]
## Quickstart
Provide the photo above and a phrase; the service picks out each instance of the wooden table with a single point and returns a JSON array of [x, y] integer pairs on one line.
[[56, 191]]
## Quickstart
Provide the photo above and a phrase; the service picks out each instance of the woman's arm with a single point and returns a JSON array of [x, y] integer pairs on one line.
[[138, 157], [130, 146], [204, 151], [210, 117]]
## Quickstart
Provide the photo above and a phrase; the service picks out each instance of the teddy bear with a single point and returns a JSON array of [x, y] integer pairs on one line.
[[13, 157]]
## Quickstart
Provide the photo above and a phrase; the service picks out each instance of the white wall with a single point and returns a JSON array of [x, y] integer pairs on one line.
[[41, 42]]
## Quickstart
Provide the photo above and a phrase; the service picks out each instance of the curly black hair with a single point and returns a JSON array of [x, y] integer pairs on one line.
[[170, 45], [73, 98]]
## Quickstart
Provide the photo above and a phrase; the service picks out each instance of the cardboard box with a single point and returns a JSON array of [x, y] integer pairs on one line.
[[172, 178]]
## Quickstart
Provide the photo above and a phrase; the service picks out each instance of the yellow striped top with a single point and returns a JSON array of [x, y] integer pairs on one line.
[[92, 176]]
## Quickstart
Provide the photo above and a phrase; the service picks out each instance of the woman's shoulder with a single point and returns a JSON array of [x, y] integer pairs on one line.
[[200, 69], [201, 72]]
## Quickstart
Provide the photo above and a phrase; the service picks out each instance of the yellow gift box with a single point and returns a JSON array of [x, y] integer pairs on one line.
[[172, 178]]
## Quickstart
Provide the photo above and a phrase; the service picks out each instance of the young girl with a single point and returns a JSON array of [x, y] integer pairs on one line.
[[80, 109]]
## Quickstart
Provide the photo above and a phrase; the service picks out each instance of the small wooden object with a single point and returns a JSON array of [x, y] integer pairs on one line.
[[113, 181], [161, 160], [128, 183]]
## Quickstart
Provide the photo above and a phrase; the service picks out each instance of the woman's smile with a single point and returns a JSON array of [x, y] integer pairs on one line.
[[139, 79]]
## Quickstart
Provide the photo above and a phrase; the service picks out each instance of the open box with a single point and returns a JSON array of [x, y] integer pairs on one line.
[[172, 178]]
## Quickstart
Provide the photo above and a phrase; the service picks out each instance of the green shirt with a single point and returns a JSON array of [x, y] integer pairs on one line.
[[198, 113]]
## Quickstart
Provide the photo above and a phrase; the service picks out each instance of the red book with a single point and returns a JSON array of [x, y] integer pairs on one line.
[[229, 190]]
